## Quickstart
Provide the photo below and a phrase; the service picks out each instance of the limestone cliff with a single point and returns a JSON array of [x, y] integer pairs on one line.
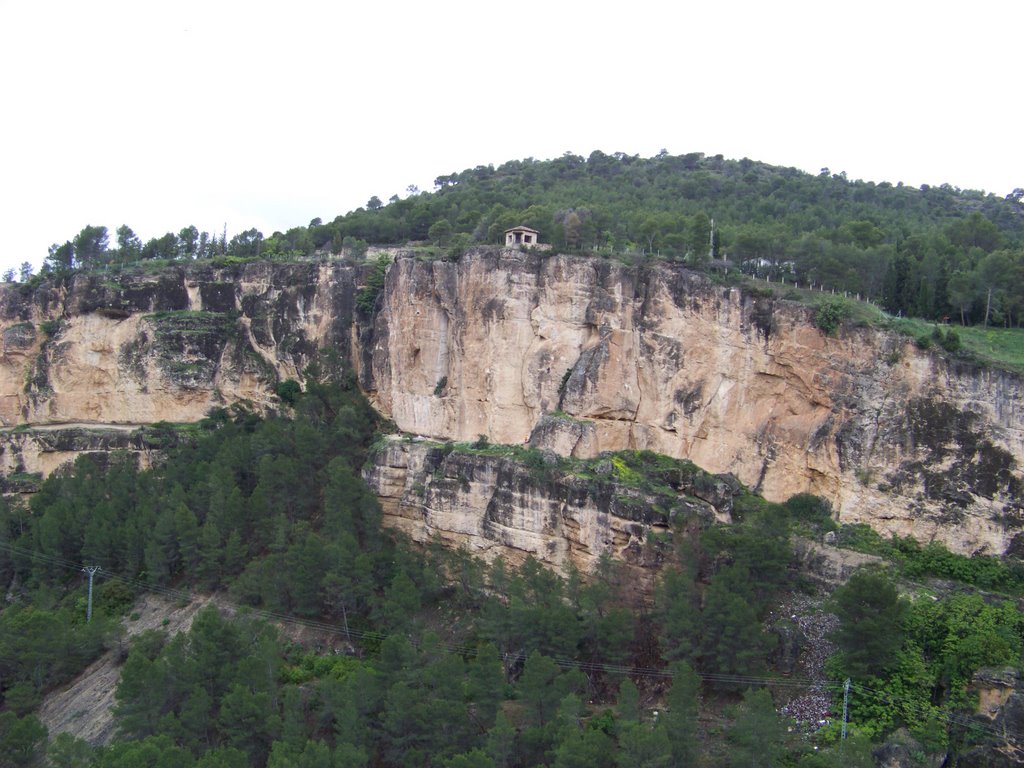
[[660, 358], [143, 348], [576, 355], [999, 718], [28, 454]]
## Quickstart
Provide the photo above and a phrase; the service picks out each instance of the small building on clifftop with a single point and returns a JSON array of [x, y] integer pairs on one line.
[[521, 236]]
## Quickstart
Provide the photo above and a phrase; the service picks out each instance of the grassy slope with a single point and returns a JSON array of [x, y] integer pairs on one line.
[[1001, 348]]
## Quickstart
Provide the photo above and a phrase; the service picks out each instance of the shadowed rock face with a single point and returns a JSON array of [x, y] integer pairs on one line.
[[28, 455], [575, 355], [1000, 715]]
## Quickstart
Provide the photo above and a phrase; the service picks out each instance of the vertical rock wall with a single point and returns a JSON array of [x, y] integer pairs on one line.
[[662, 359], [143, 348], [577, 355]]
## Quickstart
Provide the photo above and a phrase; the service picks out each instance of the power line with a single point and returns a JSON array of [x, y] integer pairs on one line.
[[922, 708]]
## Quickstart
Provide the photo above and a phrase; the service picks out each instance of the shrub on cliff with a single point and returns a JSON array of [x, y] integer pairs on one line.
[[367, 296], [809, 514], [288, 390], [830, 314], [949, 339]]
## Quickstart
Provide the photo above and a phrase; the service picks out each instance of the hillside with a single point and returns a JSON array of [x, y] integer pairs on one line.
[[611, 503], [578, 355], [931, 252], [701, 589]]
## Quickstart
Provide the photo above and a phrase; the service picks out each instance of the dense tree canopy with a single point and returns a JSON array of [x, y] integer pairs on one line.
[[871, 615], [932, 252]]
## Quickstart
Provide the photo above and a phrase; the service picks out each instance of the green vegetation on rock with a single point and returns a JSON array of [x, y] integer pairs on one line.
[[918, 561]]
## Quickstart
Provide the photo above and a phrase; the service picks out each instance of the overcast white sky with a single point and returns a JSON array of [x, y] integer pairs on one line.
[[267, 114]]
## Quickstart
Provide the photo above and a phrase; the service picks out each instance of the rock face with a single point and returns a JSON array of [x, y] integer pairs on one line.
[[84, 708], [493, 506], [145, 348], [574, 355], [29, 454], [1000, 717], [169, 346], [660, 358], [829, 566]]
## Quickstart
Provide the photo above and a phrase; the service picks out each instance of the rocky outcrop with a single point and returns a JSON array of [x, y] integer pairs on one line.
[[27, 455], [143, 348], [999, 720], [84, 707], [494, 505], [902, 750], [569, 354], [829, 566]]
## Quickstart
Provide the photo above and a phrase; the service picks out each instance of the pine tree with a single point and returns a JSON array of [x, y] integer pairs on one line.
[[678, 613], [209, 568], [141, 695], [732, 640], [628, 703], [501, 742], [871, 615], [485, 682], [641, 746], [679, 723], [757, 735], [161, 553]]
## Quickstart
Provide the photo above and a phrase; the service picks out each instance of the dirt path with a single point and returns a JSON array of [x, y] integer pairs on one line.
[[94, 425]]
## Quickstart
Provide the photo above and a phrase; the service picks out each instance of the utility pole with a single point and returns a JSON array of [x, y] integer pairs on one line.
[[344, 616], [846, 704], [91, 570]]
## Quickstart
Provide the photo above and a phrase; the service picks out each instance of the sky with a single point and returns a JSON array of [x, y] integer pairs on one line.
[[218, 113]]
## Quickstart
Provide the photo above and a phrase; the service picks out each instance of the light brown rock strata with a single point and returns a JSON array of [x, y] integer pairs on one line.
[[495, 506], [140, 348], [576, 355], [659, 358]]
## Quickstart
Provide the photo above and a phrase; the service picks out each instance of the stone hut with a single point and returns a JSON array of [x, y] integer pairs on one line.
[[521, 236]]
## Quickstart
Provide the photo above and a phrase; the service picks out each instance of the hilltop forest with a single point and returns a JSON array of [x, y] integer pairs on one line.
[[930, 252]]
